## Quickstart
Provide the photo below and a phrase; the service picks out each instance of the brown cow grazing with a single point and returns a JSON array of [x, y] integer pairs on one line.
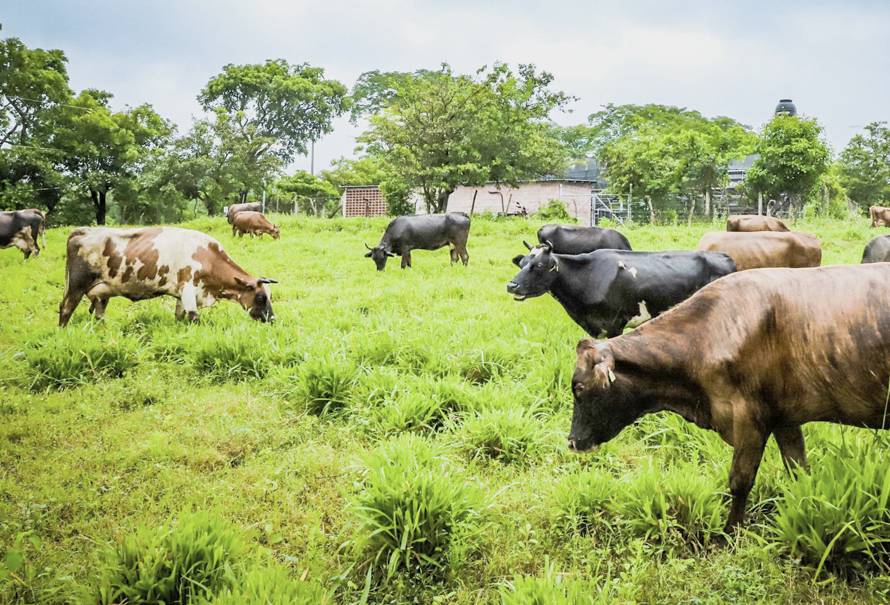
[[21, 228], [879, 215], [754, 222], [765, 249], [810, 345], [254, 223], [155, 261], [231, 211]]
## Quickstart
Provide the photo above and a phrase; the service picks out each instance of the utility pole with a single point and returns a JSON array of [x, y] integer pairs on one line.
[[312, 158]]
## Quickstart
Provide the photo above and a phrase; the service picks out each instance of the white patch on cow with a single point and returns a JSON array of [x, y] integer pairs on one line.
[[642, 317], [631, 270]]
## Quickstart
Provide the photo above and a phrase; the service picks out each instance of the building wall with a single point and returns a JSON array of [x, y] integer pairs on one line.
[[363, 201], [531, 196]]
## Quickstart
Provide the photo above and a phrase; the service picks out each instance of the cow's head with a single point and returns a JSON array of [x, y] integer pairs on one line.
[[538, 271], [378, 254], [256, 298], [604, 405], [276, 232]]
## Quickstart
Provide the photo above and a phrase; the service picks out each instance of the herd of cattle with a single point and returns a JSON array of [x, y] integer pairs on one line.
[[751, 337]]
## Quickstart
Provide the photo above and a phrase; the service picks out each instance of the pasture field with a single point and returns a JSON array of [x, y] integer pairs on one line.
[[394, 437]]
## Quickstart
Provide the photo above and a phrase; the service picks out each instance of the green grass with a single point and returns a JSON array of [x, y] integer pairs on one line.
[[393, 437]]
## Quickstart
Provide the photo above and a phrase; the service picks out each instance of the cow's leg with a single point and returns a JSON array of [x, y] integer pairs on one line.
[[98, 305], [406, 259], [453, 253], [189, 300], [748, 442], [790, 440], [460, 247], [180, 311], [24, 242], [73, 295]]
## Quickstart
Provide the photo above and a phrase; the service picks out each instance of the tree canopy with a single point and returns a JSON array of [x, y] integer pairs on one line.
[[865, 166]]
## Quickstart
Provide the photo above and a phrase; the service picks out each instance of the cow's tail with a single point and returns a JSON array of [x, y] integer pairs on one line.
[[42, 228]]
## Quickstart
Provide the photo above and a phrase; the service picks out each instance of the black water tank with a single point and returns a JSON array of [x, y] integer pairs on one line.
[[786, 106]]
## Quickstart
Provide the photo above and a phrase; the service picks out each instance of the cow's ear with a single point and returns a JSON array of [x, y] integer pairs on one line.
[[241, 282], [603, 374], [388, 253], [367, 254], [517, 260], [527, 245], [585, 344]]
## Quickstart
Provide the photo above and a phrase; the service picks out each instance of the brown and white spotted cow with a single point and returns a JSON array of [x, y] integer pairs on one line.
[[253, 223], [155, 261], [20, 228]]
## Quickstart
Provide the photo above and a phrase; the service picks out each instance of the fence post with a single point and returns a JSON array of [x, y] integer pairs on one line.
[[630, 198], [759, 203]]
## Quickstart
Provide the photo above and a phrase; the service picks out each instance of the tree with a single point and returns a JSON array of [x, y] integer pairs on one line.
[[311, 192], [865, 166], [273, 109], [101, 148], [438, 130], [791, 159]]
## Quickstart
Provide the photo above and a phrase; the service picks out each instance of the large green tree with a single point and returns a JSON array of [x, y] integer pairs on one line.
[[865, 166], [100, 147], [273, 109], [438, 130], [791, 158]]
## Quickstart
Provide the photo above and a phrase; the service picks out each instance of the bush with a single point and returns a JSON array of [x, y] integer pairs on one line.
[[837, 518], [191, 559], [78, 355], [659, 504], [485, 366], [554, 211], [510, 435], [413, 508], [271, 586], [582, 500], [551, 588]]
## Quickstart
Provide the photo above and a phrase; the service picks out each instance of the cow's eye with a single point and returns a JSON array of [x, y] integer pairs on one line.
[[578, 387], [261, 298]]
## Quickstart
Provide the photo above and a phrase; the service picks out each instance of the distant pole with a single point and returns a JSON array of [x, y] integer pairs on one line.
[[473, 203], [759, 203], [630, 198], [312, 158], [264, 196]]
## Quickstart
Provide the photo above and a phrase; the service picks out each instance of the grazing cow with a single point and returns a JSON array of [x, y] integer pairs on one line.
[[603, 290], [21, 228], [231, 211], [754, 222], [153, 261], [879, 215], [753, 354], [578, 240], [877, 250], [765, 248], [254, 223], [422, 232]]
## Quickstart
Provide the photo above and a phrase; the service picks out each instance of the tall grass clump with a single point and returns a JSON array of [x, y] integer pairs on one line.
[[191, 559], [324, 385], [679, 502], [79, 355], [413, 510], [233, 355], [482, 367], [509, 435], [581, 501], [271, 586], [551, 588], [837, 518]]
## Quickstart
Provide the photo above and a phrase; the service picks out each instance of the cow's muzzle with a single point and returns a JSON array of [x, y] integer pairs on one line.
[[512, 288]]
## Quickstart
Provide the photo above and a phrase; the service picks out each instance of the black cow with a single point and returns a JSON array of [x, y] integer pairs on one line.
[[422, 232], [578, 240], [603, 290], [231, 211], [877, 250], [21, 228]]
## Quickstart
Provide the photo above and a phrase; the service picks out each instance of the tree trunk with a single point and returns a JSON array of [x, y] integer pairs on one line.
[[442, 200], [99, 197], [691, 210], [242, 196], [708, 203], [651, 209]]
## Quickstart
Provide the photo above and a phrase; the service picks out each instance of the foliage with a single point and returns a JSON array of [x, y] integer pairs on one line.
[[192, 558], [865, 166], [438, 130], [271, 586], [791, 157], [79, 356], [511, 436], [581, 500], [412, 507], [551, 588], [325, 384], [554, 211], [312, 193]]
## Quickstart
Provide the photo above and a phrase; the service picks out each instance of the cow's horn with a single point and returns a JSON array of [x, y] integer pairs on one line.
[[266, 280], [527, 245], [549, 245], [367, 246]]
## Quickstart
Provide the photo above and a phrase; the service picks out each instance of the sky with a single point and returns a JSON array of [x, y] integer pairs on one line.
[[720, 58]]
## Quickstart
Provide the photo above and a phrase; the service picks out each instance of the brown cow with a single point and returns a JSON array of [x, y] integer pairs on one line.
[[754, 222], [765, 248], [879, 215], [254, 223], [231, 211], [750, 355], [21, 228], [155, 261]]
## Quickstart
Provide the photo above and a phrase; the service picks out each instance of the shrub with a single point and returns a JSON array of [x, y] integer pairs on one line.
[[413, 507], [681, 501], [188, 560], [485, 366], [836, 518], [271, 586], [510, 435], [554, 211], [324, 385], [551, 588], [582, 499], [78, 356]]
